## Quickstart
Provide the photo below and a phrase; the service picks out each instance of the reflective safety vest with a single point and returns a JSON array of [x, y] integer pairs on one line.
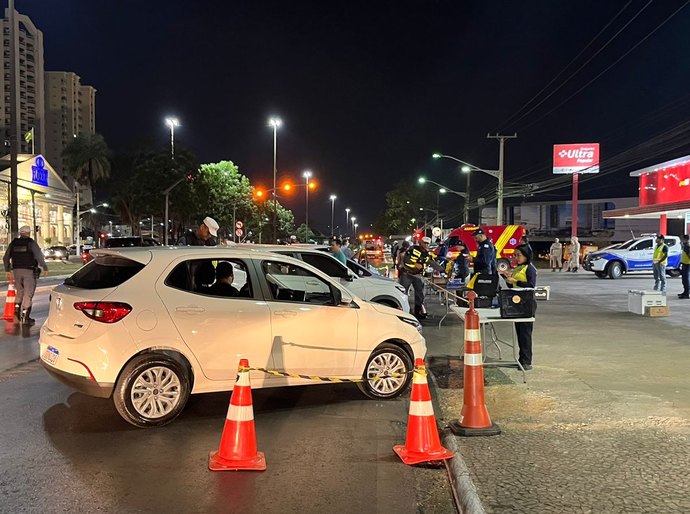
[[685, 255], [520, 273], [413, 256], [661, 251]]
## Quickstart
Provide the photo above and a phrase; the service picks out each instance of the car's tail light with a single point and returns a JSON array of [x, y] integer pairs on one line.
[[105, 312]]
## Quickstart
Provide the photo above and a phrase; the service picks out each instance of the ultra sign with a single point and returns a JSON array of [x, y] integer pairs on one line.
[[576, 158]]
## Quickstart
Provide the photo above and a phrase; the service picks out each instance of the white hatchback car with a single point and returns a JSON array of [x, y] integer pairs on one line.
[[149, 326], [378, 290]]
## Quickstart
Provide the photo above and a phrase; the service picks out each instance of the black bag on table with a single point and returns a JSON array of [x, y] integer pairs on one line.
[[517, 303]]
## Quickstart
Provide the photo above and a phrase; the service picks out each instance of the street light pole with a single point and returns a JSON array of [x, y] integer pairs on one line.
[[466, 210], [501, 140], [307, 176], [347, 220], [354, 226], [172, 123], [275, 123], [332, 198], [78, 238], [167, 198]]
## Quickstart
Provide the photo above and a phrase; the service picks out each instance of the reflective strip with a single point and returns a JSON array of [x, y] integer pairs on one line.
[[473, 359], [242, 378], [505, 237], [472, 334], [237, 413], [418, 378], [421, 409]]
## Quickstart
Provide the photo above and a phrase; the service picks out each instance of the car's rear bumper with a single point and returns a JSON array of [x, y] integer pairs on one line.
[[82, 384]]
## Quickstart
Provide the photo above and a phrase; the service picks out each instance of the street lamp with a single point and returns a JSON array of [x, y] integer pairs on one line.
[[347, 219], [172, 123], [307, 175], [352, 219], [275, 123], [79, 215], [332, 199]]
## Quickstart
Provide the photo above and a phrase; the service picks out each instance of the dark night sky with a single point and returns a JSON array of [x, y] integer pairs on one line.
[[368, 90]]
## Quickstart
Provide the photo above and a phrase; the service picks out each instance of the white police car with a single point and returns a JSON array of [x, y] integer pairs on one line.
[[633, 255]]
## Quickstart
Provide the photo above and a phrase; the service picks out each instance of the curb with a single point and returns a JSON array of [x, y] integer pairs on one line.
[[465, 493]]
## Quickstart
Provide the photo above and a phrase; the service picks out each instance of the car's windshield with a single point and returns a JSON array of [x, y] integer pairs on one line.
[[628, 244]]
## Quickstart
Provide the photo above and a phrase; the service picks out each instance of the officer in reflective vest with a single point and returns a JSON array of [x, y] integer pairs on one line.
[[414, 262], [21, 260], [685, 267], [659, 261]]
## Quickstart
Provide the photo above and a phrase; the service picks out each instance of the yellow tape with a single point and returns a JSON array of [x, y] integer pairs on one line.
[[317, 378]]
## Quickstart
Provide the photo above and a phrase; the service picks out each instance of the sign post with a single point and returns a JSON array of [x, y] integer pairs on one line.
[[575, 159]]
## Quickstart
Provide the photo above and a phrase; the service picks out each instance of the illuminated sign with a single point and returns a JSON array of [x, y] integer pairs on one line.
[[39, 172], [576, 158]]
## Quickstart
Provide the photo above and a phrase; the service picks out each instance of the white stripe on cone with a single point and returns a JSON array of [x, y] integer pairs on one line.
[[473, 359], [421, 409], [239, 413], [472, 335]]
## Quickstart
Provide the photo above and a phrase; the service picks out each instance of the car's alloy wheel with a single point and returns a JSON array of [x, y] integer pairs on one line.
[[615, 270], [152, 391], [387, 359]]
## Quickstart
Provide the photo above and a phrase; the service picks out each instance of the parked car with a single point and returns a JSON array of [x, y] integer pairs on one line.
[[128, 241], [56, 253], [386, 292], [146, 327], [633, 255]]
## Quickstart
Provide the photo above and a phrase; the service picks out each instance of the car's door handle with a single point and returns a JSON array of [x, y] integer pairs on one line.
[[286, 314], [312, 283], [189, 308]]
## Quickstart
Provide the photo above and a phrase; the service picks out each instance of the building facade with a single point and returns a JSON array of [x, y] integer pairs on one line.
[[70, 111], [30, 101]]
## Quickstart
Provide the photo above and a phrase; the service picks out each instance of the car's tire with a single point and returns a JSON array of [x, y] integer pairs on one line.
[[386, 358], [151, 391], [503, 265], [388, 303], [600, 274], [615, 270]]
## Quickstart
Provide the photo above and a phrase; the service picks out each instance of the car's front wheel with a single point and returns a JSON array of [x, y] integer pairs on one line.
[[387, 359], [615, 270], [151, 391]]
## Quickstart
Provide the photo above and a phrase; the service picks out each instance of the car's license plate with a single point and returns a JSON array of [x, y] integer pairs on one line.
[[50, 355]]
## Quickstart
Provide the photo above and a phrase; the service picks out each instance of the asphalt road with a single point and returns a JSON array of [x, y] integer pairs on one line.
[[327, 449]]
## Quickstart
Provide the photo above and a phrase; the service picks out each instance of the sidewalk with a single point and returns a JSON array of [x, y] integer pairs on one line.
[[603, 423]]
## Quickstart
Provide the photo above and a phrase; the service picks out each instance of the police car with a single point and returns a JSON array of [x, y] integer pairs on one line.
[[633, 255]]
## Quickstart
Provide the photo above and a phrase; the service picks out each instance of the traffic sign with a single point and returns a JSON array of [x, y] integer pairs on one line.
[[239, 224], [239, 232]]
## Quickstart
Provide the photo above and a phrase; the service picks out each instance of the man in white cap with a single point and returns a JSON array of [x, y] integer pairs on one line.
[[203, 236], [21, 260], [415, 260]]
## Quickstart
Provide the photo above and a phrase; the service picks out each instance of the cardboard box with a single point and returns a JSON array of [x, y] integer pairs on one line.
[[542, 292], [656, 312]]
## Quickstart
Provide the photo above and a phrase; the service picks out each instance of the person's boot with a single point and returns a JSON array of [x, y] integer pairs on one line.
[[18, 311], [26, 318]]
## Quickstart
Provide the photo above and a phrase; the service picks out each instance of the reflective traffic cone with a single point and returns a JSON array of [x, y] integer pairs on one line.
[[237, 449], [422, 443], [474, 417], [9, 302]]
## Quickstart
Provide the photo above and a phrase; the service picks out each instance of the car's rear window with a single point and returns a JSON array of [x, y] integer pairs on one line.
[[104, 272]]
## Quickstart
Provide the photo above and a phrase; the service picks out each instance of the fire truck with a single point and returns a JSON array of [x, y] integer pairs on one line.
[[504, 237]]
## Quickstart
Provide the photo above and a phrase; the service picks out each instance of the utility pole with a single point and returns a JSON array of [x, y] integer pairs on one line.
[[501, 140], [14, 204]]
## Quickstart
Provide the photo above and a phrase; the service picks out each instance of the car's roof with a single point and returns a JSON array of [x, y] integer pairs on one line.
[[138, 252], [279, 248]]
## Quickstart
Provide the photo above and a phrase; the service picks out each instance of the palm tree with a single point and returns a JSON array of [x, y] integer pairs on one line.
[[87, 155]]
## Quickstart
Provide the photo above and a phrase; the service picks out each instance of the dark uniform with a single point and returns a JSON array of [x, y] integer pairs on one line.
[[410, 275], [485, 261], [23, 257], [191, 239]]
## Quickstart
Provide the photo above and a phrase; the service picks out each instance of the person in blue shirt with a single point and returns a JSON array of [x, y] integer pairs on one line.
[[485, 261], [336, 250]]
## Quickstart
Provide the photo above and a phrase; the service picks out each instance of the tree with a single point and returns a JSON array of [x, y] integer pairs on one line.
[[300, 232], [87, 157], [402, 205]]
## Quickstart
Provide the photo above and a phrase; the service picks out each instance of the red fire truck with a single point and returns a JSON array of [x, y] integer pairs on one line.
[[504, 237]]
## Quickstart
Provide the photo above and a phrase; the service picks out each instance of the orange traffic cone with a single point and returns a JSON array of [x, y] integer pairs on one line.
[[474, 417], [422, 443], [237, 449], [9, 302]]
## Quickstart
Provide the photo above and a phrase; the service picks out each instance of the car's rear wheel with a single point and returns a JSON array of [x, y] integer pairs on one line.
[[151, 391], [503, 265], [387, 359], [615, 270]]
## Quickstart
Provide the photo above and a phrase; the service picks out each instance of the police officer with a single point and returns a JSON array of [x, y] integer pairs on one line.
[[485, 261], [685, 267], [414, 262], [22, 259]]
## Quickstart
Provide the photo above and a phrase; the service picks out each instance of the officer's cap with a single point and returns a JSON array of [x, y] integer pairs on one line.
[[477, 232]]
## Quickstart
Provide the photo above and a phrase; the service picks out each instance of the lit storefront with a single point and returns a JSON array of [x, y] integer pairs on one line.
[[664, 193], [45, 201]]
